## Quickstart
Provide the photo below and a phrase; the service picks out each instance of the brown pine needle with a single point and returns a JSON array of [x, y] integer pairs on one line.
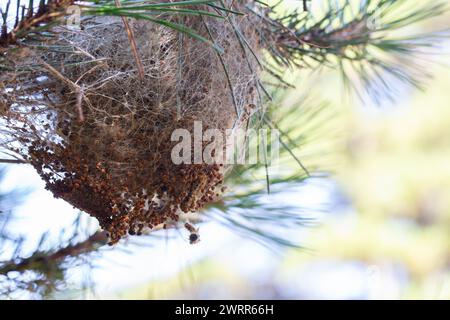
[[130, 35]]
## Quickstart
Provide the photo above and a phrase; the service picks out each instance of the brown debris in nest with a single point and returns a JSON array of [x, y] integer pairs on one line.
[[99, 135]]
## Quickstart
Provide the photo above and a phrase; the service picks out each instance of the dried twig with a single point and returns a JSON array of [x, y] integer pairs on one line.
[[13, 161], [77, 89]]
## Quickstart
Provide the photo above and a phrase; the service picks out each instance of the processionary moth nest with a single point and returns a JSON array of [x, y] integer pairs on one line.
[[99, 134]]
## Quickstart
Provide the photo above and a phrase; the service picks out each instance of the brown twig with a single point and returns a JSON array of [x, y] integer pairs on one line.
[[13, 161], [77, 89]]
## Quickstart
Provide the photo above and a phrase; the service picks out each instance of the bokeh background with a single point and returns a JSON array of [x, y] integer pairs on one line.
[[381, 216]]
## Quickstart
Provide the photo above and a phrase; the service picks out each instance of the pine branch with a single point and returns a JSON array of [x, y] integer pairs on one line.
[[359, 41], [297, 36], [13, 161], [43, 261]]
